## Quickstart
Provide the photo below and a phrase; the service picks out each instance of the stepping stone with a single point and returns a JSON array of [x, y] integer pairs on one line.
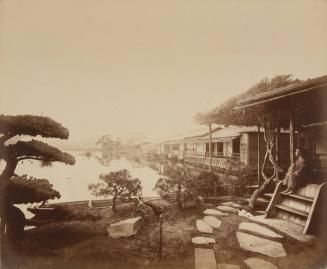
[[227, 266], [202, 227], [212, 221], [260, 212], [227, 203], [260, 245], [214, 212], [204, 258], [256, 263], [125, 227], [232, 204], [226, 208], [203, 240], [253, 227]]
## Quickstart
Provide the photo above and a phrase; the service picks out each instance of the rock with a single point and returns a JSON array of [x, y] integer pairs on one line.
[[260, 245], [203, 240], [125, 228], [227, 266], [214, 212], [204, 259], [212, 221], [232, 204], [256, 263], [253, 227], [226, 208], [202, 227]]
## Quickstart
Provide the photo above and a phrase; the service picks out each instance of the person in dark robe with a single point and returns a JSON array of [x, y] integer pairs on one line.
[[298, 173]]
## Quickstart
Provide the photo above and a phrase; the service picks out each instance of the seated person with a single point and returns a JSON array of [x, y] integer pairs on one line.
[[297, 174]]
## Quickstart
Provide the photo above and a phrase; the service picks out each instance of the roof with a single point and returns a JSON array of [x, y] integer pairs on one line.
[[279, 93], [189, 135], [229, 132]]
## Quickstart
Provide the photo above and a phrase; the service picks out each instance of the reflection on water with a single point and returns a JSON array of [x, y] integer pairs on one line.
[[72, 181]]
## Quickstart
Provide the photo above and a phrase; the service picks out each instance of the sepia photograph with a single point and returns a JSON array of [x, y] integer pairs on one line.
[[163, 134]]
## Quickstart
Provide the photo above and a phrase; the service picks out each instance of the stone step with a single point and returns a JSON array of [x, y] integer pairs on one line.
[[256, 263], [253, 227], [226, 208], [214, 212], [212, 221], [204, 258], [260, 245], [199, 240], [227, 266], [203, 227]]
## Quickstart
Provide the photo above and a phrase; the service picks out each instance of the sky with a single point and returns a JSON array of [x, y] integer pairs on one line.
[[123, 67]]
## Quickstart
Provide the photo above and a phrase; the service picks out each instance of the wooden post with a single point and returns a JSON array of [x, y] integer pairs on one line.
[[160, 236], [259, 155], [277, 147], [210, 148], [291, 139]]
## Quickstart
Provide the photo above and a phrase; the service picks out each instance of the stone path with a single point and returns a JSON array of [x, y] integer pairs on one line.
[[228, 266], [255, 263], [214, 212], [260, 245], [204, 258], [203, 240], [226, 208], [232, 204], [212, 221], [253, 227], [203, 227]]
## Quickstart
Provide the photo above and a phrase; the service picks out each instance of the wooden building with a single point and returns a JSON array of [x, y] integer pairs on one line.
[[230, 145], [302, 108]]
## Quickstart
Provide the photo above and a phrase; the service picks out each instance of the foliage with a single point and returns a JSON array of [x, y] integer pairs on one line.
[[118, 184], [29, 190], [224, 113], [71, 213], [166, 188], [16, 189], [204, 184], [32, 126], [174, 185]]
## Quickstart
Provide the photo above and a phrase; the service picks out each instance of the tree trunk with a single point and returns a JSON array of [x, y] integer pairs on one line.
[[114, 203], [258, 192]]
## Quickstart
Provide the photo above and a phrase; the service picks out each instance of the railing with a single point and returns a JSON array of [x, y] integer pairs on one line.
[[217, 161]]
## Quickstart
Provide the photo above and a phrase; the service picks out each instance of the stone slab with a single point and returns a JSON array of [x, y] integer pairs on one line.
[[204, 258], [203, 227], [232, 204], [253, 227], [291, 229], [256, 263], [226, 208], [212, 221], [203, 240], [125, 228], [228, 266], [214, 212], [260, 245]]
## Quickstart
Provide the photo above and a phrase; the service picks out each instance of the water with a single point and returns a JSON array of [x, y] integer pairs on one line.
[[72, 181]]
